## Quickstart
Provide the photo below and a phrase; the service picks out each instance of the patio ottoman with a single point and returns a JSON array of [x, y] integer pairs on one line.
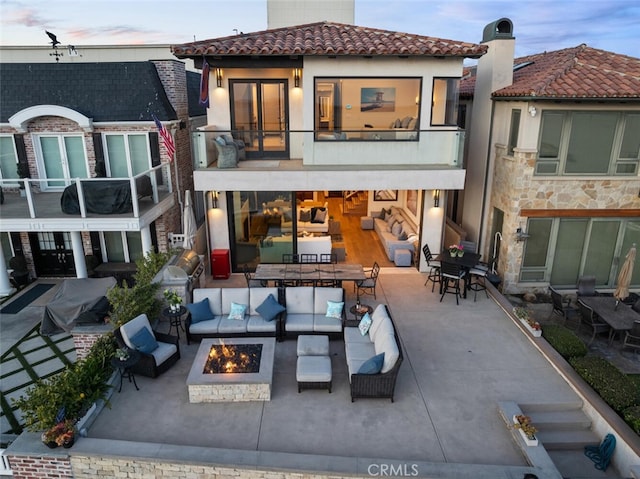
[[366, 222], [313, 345], [402, 257], [313, 372]]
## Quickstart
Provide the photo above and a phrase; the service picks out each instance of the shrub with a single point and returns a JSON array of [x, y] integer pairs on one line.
[[564, 341], [615, 388], [73, 390], [632, 417]]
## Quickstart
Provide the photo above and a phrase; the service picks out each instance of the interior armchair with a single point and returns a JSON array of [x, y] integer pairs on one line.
[[158, 351]]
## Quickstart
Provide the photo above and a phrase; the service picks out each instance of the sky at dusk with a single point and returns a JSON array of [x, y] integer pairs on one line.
[[538, 25]]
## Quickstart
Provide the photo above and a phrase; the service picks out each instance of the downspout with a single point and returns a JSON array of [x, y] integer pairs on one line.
[[486, 176]]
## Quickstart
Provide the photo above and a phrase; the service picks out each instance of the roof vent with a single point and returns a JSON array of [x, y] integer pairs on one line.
[[500, 29]]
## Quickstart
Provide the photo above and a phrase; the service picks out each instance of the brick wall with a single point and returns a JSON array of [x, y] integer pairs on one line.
[[83, 342], [40, 467]]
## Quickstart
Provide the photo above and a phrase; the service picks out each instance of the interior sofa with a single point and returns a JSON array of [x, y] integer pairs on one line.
[[219, 323], [395, 231], [381, 337], [312, 219], [308, 311], [272, 249], [399, 129]]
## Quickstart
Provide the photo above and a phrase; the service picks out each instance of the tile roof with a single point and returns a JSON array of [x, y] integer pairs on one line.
[[581, 72], [328, 39], [105, 91]]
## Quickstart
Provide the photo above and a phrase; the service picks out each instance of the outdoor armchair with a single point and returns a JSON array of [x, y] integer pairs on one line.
[[632, 338], [591, 320], [562, 306]]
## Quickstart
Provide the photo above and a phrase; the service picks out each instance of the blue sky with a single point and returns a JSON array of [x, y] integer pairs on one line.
[[539, 25]]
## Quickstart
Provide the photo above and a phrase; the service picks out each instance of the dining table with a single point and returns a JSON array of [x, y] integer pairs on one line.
[[309, 272], [466, 262], [619, 316]]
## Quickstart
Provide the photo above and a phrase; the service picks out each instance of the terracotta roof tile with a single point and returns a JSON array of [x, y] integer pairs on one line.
[[579, 72], [326, 38]]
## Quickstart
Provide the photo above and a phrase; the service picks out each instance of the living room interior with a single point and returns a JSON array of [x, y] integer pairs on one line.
[[326, 222]]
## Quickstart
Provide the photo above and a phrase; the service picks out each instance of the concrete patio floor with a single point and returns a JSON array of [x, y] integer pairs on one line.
[[460, 361]]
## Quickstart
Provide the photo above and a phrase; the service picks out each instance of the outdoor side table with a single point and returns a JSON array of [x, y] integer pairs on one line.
[[175, 318], [358, 313], [124, 367]]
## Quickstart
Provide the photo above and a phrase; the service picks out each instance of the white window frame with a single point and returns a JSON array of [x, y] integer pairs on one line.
[[42, 172], [125, 135]]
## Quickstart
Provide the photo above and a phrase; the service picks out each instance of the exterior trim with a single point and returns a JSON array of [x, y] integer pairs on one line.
[[582, 213], [19, 120]]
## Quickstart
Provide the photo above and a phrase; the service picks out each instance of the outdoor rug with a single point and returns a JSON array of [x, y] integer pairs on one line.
[[26, 298]]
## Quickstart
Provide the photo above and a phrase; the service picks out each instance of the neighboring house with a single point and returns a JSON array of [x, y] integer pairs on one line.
[[64, 122], [329, 107], [552, 162]]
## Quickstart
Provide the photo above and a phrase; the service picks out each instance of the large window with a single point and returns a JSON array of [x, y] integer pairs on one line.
[[514, 131], [8, 158], [367, 108], [62, 157], [589, 143], [121, 246], [127, 154], [444, 104], [560, 250]]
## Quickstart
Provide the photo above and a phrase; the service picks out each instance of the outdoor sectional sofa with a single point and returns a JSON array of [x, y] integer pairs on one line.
[[308, 311], [381, 337], [218, 323]]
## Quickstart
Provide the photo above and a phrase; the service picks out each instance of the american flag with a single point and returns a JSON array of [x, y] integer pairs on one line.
[[166, 138]]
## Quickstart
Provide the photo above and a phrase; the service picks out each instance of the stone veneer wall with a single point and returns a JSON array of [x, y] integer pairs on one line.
[[515, 188]]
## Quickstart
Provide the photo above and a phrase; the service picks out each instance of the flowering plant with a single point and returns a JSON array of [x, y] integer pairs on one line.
[[172, 297], [456, 247], [122, 354], [524, 423], [61, 433], [523, 314]]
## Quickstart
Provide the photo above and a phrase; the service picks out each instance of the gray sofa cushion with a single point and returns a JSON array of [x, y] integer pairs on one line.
[[299, 322]]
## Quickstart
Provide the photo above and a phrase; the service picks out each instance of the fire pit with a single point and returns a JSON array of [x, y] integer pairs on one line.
[[234, 369]]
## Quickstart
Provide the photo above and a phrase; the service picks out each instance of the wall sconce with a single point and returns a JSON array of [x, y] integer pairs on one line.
[[213, 200], [521, 235], [296, 77], [436, 198], [218, 73], [532, 111]]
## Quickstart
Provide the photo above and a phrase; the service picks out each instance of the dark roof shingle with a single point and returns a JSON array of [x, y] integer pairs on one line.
[[328, 39]]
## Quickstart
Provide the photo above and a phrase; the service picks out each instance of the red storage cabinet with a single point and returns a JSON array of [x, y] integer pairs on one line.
[[220, 264]]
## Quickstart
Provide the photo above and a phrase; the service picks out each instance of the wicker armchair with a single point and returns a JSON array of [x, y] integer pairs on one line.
[[381, 385], [155, 363]]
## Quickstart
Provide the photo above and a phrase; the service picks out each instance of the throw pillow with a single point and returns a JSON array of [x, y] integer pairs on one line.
[[396, 229], [305, 215], [144, 341], [220, 141], [237, 311], [365, 324], [334, 309], [228, 139], [270, 308], [200, 311], [320, 216], [405, 122], [402, 236], [397, 124], [372, 365]]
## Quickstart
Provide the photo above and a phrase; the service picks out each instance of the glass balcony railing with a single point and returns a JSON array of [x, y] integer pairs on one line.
[[85, 197]]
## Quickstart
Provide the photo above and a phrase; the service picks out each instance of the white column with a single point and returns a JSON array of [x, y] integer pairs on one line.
[[78, 254], [5, 285], [145, 237]]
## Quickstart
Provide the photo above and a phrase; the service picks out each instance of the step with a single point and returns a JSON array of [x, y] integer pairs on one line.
[[567, 440], [560, 420], [551, 406]]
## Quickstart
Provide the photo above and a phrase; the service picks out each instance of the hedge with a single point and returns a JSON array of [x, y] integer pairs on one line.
[[564, 341]]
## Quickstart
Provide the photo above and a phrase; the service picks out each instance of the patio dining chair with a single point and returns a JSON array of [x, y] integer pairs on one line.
[[368, 285], [632, 337], [251, 281], [478, 281], [636, 306], [586, 286], [433, 274], [451, 274], [591, 320], [308, 258], [562, 306]]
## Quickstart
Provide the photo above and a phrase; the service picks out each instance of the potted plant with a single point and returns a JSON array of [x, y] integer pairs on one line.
[[456, 250], [122, 354], [527, 430], [62, 434], [531, 324], [173, 298]]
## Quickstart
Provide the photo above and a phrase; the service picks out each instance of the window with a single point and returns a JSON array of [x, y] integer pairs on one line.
[[367, 108], [7, 247], [127, 154], [513, 131], [121, 246], [444, 104], [589, 143], [8, 158], [61, 157], [560, 250]]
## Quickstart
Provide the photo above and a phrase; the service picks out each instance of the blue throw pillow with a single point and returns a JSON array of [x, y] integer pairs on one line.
[[220, 141], [373, 365], [334, 309], [200, 311], [270, 308], [144, 341], [365, 324], [237, 311]]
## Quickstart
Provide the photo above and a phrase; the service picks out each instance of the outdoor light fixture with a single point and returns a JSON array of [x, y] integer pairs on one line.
[[532, 111], [213, 199], [296, 77], [218, 72], [436, 198], [521, 235]]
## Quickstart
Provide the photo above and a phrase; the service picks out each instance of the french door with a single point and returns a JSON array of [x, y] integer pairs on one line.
[[52, 253], [61, 157], [259, 117]]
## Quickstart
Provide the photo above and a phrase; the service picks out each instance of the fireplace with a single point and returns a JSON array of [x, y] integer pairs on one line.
[[232, 369]]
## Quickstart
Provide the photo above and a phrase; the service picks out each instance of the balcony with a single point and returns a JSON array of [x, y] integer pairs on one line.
[[37, 205]]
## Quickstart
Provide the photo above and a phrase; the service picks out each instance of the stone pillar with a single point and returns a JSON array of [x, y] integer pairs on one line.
[[5, 285], [78, 254], [145, 237]]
